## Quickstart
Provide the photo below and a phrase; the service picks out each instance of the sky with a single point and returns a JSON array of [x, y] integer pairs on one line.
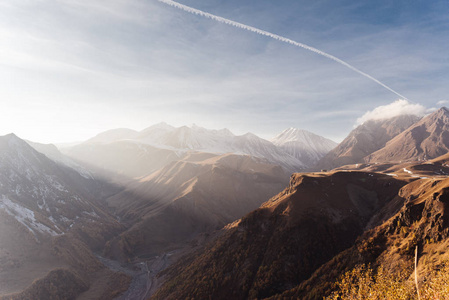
[[70, 69]]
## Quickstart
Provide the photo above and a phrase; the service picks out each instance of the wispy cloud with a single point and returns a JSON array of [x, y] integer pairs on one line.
[[130, 63], [276, 37]]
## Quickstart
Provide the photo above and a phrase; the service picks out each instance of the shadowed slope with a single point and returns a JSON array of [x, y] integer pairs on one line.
[[201, 193], [281, 244], [50, 218]]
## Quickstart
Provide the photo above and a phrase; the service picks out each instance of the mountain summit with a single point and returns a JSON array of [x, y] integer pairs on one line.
[[427, 139], [293, 149], [51, 217], [364, 140], [303, 145]]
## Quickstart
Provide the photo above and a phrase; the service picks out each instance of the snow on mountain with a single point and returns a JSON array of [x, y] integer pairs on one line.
[[24, 216], [45, 197], [253, 145], [155, 134], [199, 139], [51, 217], [304, 145], [293, 149]]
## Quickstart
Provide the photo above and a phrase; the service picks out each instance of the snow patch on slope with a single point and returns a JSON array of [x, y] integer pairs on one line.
[[303, 144], [25, 216]]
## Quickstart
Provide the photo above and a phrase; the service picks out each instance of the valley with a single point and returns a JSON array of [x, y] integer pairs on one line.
[[224, 150], [177, 213]]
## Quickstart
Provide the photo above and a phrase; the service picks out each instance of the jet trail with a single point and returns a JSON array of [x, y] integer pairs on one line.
[[274, 36]]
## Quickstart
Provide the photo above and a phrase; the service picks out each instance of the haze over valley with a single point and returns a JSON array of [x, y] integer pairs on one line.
[[103, 218], [315, 167]]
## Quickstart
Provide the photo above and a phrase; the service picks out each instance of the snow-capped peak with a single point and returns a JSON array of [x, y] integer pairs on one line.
[[158, 126], [294, 148], [13, 140], [305, 138], [292, 135], [302, 144]]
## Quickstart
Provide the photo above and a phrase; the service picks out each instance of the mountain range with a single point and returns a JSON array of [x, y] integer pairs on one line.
[[189, 212], [298, 244], [64, 213], [398, 139], [292, 149]]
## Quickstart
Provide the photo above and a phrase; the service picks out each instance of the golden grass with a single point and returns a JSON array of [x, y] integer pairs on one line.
[[363, 282]]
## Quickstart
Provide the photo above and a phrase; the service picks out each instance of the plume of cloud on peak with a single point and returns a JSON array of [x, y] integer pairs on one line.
[[397, 108]]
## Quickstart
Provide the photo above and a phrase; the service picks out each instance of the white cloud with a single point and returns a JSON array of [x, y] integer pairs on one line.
[[442, 102], [397, 108]]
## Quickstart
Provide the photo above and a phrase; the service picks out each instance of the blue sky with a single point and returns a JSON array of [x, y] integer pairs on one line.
[[70, 68]]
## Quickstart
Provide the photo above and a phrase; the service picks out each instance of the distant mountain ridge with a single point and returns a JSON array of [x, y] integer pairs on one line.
[[294, 149]]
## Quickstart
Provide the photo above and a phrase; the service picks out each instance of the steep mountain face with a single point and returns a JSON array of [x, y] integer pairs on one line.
[[305, 146], [364, 140], [417, 217], [427, 139], [200, 193], [50, 219], [31, 181], [281, 244]]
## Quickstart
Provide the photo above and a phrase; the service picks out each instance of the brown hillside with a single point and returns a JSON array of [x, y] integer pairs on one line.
[[417, 217], [280, 245], [427, 139], [364, 140], [201, 193]]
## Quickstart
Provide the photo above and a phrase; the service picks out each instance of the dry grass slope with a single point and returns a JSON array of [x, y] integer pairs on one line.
[[363, 282]]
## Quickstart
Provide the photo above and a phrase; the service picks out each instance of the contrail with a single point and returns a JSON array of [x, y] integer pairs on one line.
[[276, 37]]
